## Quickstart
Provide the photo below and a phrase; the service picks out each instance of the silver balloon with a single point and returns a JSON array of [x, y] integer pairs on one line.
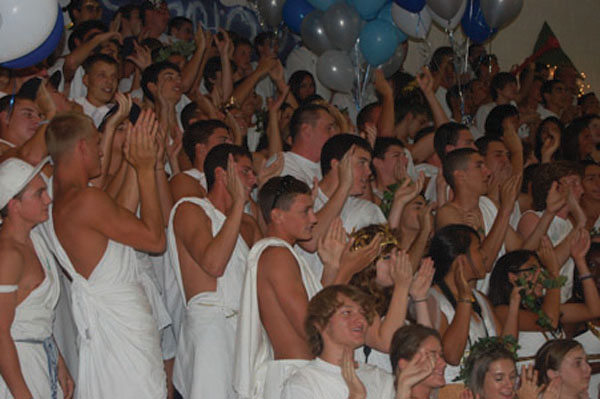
[[343, 25], [498, 13], [334, 70], [446, 9], [270, 11], [313, 33], [394, 63], [451, 23], [415, 25]]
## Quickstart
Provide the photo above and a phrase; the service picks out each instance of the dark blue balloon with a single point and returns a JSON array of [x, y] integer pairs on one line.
[[411, 5], [43, 51], [294, 12], [474, 25]]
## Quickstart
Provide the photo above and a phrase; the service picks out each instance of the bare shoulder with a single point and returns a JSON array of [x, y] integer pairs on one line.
[[447, 214], [11, 262], [189, 213], [183, 185], [277, 262], [250, 229]]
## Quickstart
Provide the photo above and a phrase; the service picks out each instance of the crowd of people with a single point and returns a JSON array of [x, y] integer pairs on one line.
[[185, 214]]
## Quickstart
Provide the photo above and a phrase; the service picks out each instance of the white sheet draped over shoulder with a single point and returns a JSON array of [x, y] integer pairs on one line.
[[119, 344], [33, 322], [253, 349], [205, 350]]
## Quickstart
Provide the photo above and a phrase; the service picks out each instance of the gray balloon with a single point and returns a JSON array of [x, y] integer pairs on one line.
[[335, 71], [313, 33], [343, 25], [270, 11], [445, 8], [498, 13], [393, 64]]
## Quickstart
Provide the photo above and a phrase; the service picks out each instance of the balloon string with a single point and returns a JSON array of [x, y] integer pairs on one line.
[[358, 79], [364, 86]]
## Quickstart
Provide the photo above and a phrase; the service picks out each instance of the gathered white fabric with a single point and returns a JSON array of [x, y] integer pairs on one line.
[[477, 328], [119, 344], [204, 360], [33, 322], [197, 175], [323, 380], [253, 350], [299, 167]]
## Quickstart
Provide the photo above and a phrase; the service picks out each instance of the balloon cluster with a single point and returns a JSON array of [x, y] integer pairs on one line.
[[336, 29], [30, 30]]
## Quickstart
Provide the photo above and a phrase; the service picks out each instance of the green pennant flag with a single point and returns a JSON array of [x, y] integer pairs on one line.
[[554, 56]]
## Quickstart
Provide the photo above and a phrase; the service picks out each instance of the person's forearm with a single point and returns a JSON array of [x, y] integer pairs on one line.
[[76, 57], [191, 69], [417, 248], [226, 77], [244, 89], [114, 184], [422, 150], [423, 316], [215, 256], [10, 369], [590, 291], [511, 325], [386, 122], [551, 306], [456, 336], [533, 241], [106, 145], [150, 207], [394, 318], [439, 115], [273, 134], [164, 194], [494, 240]]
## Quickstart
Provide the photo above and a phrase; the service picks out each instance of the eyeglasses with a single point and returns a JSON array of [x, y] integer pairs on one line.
[[283, 188]]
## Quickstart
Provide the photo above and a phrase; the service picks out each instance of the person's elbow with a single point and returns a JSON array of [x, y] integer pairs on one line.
[[156, 242]]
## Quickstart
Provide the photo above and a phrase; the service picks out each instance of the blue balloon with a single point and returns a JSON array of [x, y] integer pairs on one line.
[[323, 4], [474, 25], [367, 9], [43, 51], [294, 12], [411, 5], [378, 41], [385, 14]]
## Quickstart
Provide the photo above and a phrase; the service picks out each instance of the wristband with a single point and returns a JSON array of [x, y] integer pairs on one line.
[[467, 300], [419, 300], [586, 276]]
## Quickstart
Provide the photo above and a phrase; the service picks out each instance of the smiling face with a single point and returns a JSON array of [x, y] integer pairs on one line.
[[591, 182], [499, 381], [347, 327], [101, 82]]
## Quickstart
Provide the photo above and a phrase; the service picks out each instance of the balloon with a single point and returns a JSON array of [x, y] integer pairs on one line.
[[44, 50], [498, 13], [394, 63], [24, 26], [411, 5], [313, 33], [445, 8], [367, 9], [415, 25], [323, 5], [335, 71], [385, 14], [271, 11], [378, 41], [294, 11], [343, 25], [452, 23], [474, 24]]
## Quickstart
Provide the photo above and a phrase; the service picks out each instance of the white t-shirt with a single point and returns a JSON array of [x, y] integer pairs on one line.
[[96, 113], [322, 380]]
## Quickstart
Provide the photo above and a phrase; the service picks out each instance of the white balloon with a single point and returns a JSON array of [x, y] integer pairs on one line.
[[443, 23], [24, 25], [415, 25]]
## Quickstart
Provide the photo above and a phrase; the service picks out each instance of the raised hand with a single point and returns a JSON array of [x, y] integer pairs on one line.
[[124, 103], [234, 183], [555, 199], [401, 268], [416, 370], [331, 245], [382, 86], [370, 134], [509, 191], [426, 217], [580, 244], [553, 389], [462, 284], [421, 281], [142, 146], [529, 388], [357, 260], [141, 57], [575, 208], [356, 389], [409, 190], [264, 172], [345, 169], [548, 257], [425, 80]]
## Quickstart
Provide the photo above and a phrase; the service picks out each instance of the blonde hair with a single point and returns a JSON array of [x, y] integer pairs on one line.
[[65, 129]]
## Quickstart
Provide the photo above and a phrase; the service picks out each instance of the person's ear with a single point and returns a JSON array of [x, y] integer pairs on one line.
[[512, 278], [277, 216], [153, 88], [85, 80], [200, 150], [552, 374]]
